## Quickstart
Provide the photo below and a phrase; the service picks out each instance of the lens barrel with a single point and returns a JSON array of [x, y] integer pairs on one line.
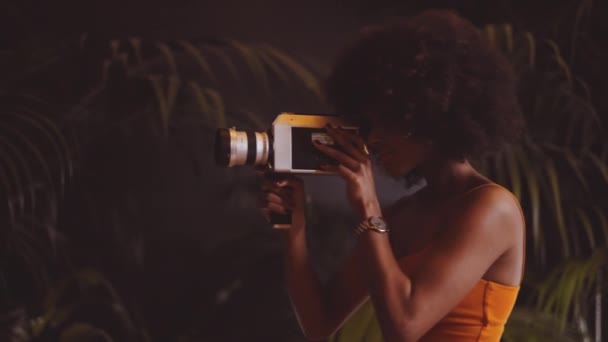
[[234, 147]]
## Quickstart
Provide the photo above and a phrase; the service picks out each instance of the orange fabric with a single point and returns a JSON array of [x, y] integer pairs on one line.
[[479, 317]]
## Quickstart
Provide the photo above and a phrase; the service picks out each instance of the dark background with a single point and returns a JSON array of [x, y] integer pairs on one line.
[[146, 210]]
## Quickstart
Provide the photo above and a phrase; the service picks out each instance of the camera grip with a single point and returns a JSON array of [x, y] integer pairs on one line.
[[280, 221]]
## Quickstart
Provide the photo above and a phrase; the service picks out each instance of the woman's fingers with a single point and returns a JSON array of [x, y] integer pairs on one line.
[[339, 156], [341, 170], [354, 139], [274, 209], [352, 144], [277, 198], [284, 199]]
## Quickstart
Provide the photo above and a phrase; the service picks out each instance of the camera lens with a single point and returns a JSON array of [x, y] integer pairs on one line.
[[234, 147]]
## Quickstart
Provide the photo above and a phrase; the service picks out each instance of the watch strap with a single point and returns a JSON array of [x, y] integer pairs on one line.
[[374, 223]]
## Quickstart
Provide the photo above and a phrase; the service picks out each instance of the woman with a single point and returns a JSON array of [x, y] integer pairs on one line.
[[444, 264]]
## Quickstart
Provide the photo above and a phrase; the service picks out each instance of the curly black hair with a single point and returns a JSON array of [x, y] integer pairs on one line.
[[433, 74]]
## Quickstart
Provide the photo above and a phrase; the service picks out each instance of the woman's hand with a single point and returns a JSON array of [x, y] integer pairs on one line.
[[283, 194], [355, 168]]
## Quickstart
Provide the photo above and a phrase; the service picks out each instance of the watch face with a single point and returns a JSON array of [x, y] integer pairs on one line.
[[377, 221]]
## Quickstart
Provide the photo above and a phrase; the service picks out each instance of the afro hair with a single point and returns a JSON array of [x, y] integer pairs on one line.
[[433, 74]]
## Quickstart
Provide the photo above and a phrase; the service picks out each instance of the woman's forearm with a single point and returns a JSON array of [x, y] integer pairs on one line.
[[304, 288], [389, 288]]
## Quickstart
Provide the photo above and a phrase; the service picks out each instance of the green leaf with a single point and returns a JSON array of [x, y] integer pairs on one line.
[[83, 332], [272, 65], [600, 164], [136, 45], [560, 60], [211, 104], [509, 37], [6, 181], [35, 151], [198, 57], [16, 158], [490, 33], [566, 294], [534, 192], [172, 91], [258, 123], [203, 103], [531, 48], [603, 222], [572, 161], [169, 57], [585, 222], [513, 169], [306, 76], [252, 59], [555, 192], [166, 100], [529, 325], [499, 169], [55, 139], [224, 58], [583, 9], [14, 184], [586, 106]]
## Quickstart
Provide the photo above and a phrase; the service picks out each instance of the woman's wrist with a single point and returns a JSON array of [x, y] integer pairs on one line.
[[370, 209], [294, 235]]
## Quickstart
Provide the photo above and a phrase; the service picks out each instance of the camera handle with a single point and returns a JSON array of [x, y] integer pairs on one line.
[[278, 221]]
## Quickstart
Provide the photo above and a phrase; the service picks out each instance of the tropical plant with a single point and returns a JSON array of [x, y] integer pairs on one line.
[[57, 108], [35, 164], [559, 173]]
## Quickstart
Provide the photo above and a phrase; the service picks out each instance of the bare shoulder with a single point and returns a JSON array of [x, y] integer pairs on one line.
[[491, 196], [495, 216], [492, 208]]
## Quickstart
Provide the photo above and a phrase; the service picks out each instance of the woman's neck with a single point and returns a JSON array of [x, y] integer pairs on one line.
[[446, 176]]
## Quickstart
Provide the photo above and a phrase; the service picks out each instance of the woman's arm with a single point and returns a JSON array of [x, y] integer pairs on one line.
[[320, 310], [476, 235]]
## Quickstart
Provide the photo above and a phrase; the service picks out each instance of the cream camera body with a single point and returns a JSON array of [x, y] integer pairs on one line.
[[287, 147]]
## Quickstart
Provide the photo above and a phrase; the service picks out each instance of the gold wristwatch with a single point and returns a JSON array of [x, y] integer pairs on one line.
[[374, 223]]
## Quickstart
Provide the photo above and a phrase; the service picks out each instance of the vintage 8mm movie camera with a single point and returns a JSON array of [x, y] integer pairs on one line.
[[286, 148]]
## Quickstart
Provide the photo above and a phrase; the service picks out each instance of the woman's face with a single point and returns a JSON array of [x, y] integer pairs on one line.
[[397, 150]]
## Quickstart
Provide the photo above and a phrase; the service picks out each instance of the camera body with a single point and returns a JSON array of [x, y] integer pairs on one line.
[[287, 147]]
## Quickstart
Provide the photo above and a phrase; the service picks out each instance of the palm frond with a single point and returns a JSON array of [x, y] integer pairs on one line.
[[199, 58], [211, 104], [533, 326], [166, 97], [253, 60], [309, 80]]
